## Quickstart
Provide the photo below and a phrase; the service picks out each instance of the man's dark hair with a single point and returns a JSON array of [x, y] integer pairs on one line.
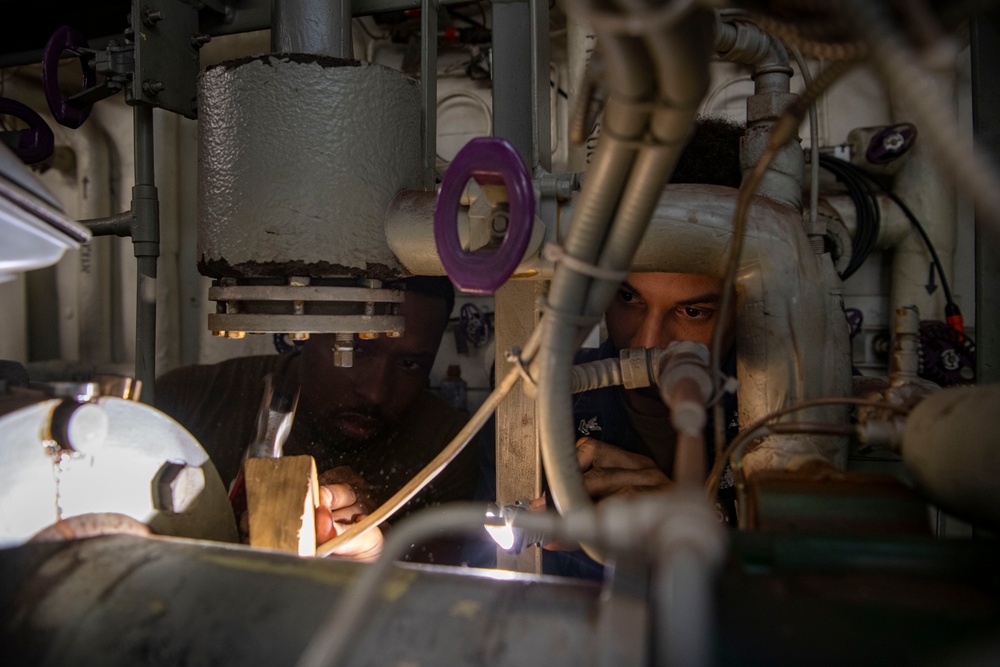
[[712, 156], [436, 287]]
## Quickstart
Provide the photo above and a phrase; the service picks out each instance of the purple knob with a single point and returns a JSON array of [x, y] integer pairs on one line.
[[490, 161], [34, 144], [65, 112]]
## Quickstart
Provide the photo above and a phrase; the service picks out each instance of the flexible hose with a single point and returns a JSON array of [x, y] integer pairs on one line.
[[625, 120], [596, 375], [569, 292]]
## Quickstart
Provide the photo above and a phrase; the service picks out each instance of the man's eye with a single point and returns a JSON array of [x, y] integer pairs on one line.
[[411, 366], [628, 296], [697, 313]]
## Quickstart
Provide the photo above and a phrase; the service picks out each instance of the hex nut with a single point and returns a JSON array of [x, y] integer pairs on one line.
[[177, 487]]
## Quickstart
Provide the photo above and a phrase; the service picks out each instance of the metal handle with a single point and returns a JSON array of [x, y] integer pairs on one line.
[[63, 110], [490, 161], [35, 143]]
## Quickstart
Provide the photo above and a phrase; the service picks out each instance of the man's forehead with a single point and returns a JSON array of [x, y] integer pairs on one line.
[[686, 287]]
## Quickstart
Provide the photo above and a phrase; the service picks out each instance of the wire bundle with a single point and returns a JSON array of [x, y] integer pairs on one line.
[[862, 189], [862, 193]]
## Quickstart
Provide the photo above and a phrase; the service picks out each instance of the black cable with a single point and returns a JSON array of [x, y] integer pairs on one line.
[[872, 184], [862, 193], [927, 241]]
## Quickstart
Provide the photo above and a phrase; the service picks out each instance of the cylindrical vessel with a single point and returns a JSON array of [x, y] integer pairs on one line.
[[299, 157], [951, 447], [123, 600]]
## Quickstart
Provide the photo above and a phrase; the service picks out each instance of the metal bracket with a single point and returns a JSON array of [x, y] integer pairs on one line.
[[166, 38]]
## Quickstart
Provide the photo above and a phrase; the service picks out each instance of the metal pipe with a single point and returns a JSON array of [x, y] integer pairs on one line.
[[745, 43], [922, 182], [119, 224], [985, 48], [541, 91], [951, 447], [428, 89], [320, 27], [512, 91], [930, 110], [791, 341], [146, 246], [123, 598]]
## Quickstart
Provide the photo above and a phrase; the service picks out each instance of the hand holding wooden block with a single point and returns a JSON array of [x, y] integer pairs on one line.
[[282, 495]]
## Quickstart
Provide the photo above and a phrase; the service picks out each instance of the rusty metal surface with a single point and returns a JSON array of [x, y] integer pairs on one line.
[[787, 600], [130, 601], [823, 500]]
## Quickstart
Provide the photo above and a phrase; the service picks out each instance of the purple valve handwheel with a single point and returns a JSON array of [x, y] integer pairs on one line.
[[490, 161], [65, 112], [35, 143]]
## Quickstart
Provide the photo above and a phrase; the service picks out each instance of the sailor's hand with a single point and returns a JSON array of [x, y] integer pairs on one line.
[[611, 471], [338, 511]]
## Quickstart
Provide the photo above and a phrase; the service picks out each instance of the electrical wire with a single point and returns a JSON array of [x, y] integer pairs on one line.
[[862, 193], [480, 102], [872, 184]]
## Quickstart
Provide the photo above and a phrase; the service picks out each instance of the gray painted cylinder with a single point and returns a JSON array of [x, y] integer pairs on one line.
[[118, 601], [299, 157]]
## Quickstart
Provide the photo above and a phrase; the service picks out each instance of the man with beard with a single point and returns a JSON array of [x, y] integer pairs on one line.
[[370, 427]]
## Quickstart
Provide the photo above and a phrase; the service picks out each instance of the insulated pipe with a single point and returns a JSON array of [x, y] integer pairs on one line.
[[791, 338], [923, 184], [319, 27], [120, 601], [951, 447]]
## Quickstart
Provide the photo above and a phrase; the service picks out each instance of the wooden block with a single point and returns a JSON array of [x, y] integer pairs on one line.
[[282, 495]]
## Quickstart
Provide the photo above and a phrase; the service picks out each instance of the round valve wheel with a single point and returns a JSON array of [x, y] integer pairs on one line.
[[35, 143], [489, 161], [63, 110]]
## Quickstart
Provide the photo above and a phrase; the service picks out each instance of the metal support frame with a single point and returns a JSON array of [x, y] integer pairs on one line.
[[428, 89], [985, 33], [146, 246]]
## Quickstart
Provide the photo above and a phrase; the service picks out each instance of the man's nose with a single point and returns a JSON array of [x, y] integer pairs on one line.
[[372, 380], [653, 331]]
